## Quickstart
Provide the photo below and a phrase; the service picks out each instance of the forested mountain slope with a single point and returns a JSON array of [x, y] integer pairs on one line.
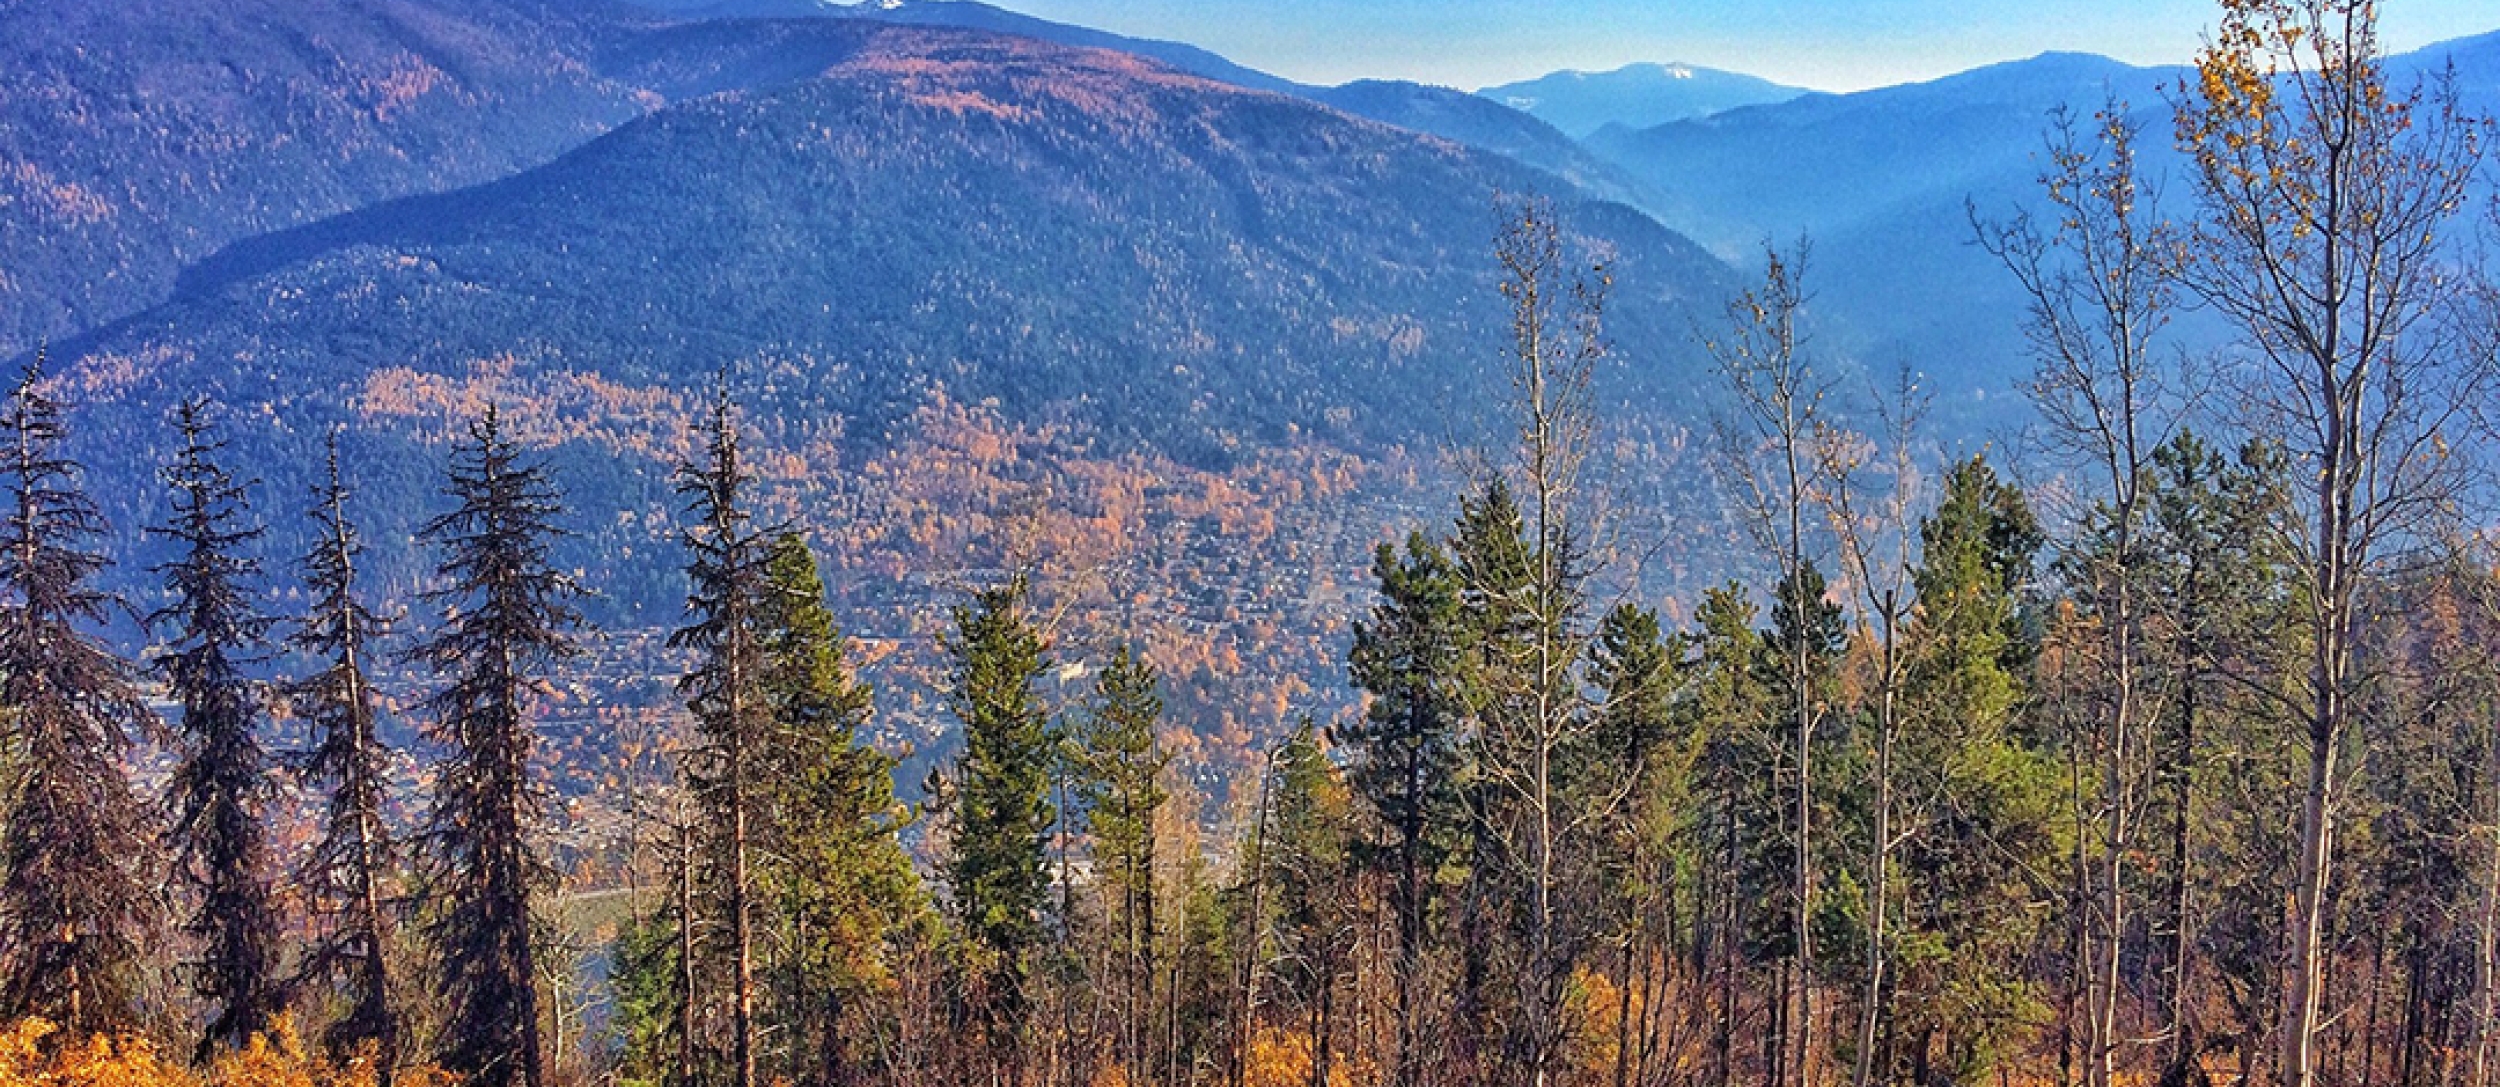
[[137, 138], [988, 299]]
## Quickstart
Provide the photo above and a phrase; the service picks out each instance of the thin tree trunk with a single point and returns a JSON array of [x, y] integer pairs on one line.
[[1800, 679], [686, 1002], [1879, 880], [2183, 1044], [741, 914]]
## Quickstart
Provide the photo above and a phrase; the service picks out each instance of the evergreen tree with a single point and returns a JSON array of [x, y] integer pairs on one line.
[[727, 587], [643, 984], [1003, 816], [1495, 565], [221, 787], [1308, 913], [346, 875], [1802, 651], [1738, 704], [76, 906], [845, 886], [1643, 758], [2224, 634], [1975, 852], [1406, 751], [1121, 783], [508, 619]]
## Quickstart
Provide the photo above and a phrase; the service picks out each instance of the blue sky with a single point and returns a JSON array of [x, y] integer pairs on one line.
[[1824, 44]]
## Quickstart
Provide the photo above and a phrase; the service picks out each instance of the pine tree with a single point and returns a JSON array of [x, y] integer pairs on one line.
[[2220, 587], [1494, 564], [1003, 816], [508, 619], [1803, 646], [725, 601], [346, 875], [76, 906], [643, 982], [1634, 665], [1406, 750], [847, 890], [1974, 852], [221, 788], [1120, 780], [1738, 704]]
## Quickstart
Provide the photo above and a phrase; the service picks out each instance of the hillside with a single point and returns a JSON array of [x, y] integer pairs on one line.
[[138, 137], [1470, 120], [135, 141], [989, 300]]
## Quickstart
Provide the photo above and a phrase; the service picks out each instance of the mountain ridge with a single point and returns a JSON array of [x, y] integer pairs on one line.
[[1637, 95]]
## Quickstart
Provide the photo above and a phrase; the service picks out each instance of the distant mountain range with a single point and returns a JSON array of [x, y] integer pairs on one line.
[[1635, 96], [1884, 182]]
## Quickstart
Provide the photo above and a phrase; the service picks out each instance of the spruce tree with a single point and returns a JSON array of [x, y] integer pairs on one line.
[[508, 619], [999, 871], [844, 883], [1495, 566], [1121, 783], [1406, 751], [76, 901], [221, 788], [727, 585], [346, 876]]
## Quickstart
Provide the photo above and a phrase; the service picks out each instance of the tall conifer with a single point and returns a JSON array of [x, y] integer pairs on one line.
[[1121, 782], [1003, 816], [508, 618], [1405, 751], [845, 886], [221, 787], [727, 584], [346, 875], [75, 901]]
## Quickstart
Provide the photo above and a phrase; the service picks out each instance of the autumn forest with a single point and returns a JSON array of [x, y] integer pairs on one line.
[[2155, 744]]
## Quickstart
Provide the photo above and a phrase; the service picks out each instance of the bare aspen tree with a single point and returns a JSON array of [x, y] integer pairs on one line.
[[2097, 296], [1536, 721], [1768, 461], [1874, 531], [2328, 202]]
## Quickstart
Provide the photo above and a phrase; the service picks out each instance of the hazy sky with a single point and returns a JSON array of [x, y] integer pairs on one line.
[[1824, 44]]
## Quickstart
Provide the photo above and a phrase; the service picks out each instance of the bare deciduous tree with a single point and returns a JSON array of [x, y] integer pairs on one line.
[[2328, 202], [2097, 296], [1769, 468]]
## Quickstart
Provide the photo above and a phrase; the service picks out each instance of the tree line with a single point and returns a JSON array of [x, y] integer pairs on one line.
[[2173, 760]]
